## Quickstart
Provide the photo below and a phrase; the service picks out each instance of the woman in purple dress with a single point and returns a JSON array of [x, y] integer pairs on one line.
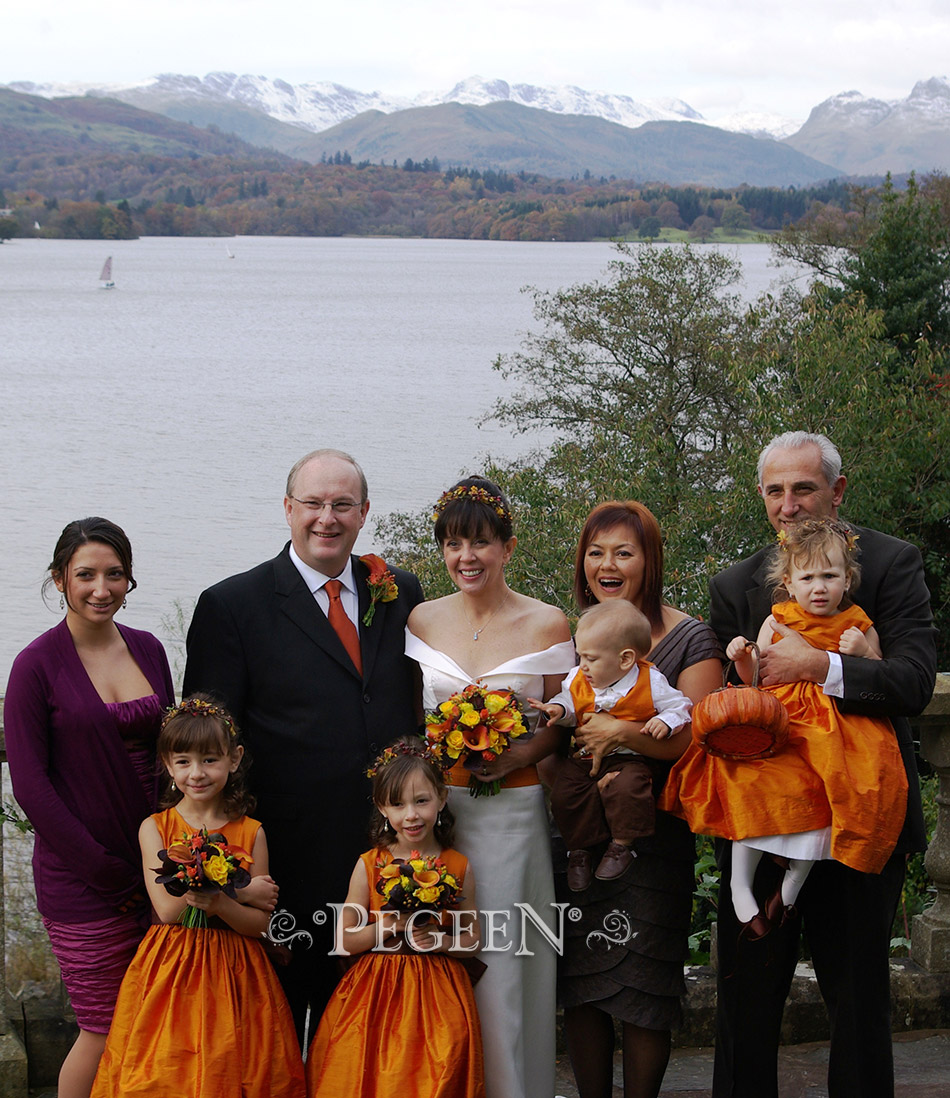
[[82, 712]]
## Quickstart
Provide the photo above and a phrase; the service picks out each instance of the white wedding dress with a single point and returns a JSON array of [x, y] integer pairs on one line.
[[507, 841]]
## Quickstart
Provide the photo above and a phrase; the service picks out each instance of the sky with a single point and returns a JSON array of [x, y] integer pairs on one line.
[[746, 55]]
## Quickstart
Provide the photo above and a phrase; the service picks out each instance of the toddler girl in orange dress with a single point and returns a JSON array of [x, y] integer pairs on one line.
[[838, 788]]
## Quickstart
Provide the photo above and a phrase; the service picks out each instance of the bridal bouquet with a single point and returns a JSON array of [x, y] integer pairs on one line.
[[203, 861], [416, 883], [476, 724]]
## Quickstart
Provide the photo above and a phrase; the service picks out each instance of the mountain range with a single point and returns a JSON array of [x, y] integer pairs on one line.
[[559, 131]]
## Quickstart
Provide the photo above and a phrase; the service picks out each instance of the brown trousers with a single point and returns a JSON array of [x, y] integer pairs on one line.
[[587, 815]]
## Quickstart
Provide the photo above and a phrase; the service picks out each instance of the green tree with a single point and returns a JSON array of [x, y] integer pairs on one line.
[[649, 228], [659, 384], [891, 253], [734, 218], [891, 246], [9, 227], [633, 374]]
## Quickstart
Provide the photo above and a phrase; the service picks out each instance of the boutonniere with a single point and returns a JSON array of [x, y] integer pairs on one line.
[[382, 586]]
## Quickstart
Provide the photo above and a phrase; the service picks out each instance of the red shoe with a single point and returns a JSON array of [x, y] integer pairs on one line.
[[776, 912], [755, 929]]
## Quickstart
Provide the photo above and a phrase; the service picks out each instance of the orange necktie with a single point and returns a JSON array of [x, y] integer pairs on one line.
[[342, 625]]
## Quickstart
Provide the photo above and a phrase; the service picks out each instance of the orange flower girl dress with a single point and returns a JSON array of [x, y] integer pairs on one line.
[[838, 787], [201, 1012], [399, 1025]]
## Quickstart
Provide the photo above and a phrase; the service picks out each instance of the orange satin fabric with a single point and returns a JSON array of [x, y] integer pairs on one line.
[[201, 1012], [838, 769], [399, 1025], [635, 705]]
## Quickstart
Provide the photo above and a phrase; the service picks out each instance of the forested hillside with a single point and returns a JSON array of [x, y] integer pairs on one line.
[[96, 168]]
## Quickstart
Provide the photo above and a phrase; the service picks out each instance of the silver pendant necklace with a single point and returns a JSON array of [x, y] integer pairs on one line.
[[475, 631]]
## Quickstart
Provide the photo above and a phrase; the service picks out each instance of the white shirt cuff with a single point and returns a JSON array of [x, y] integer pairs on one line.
[[833, 685]]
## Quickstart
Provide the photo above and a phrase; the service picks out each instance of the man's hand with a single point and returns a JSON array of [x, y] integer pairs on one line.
[[791, 659]]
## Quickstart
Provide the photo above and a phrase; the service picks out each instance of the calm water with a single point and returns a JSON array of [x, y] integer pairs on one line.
[[175, 403]]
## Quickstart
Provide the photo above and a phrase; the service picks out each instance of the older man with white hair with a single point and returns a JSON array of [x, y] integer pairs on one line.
[[846, 915]]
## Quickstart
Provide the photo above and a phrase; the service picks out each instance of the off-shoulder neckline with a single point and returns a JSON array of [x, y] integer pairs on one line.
[[505, 666]]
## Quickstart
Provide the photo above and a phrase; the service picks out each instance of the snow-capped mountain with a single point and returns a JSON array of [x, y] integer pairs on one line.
[[870, 136], [759, 124], [564, 99], [320, 105], [854, 132]]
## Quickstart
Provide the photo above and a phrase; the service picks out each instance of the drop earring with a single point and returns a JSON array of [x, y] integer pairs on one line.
[[125, 603], [62, 602], [173, 787]]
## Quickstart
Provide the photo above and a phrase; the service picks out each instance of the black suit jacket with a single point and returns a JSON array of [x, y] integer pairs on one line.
[[892, 592], [260, 642]]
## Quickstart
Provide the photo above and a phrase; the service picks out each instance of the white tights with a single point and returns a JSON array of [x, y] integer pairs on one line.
[[745, 860]]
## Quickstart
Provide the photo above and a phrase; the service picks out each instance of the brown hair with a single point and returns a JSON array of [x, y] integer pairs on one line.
[[390, 780], [644, 527], [200, 724], [467, 516], [80, 532], [809, 542]]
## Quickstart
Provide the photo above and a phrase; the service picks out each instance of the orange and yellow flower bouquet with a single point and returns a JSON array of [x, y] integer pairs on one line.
[[477, 724], [417, 883]]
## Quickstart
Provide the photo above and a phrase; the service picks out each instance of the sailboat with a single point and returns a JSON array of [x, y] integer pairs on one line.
[[228, 250], [105, 277]]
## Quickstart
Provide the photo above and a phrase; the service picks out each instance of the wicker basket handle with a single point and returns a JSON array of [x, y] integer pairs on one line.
[[753, 649]]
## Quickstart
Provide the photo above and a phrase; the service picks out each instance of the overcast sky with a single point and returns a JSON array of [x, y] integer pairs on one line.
[[759, 55]]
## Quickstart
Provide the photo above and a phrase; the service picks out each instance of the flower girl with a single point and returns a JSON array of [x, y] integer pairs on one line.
[[838, 789], [200, 1010], [402, 1022]]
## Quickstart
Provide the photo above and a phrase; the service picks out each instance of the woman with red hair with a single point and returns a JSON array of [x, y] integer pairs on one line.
[[624, 958]]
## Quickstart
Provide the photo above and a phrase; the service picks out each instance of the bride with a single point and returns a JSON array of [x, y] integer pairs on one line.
[[486, 632]]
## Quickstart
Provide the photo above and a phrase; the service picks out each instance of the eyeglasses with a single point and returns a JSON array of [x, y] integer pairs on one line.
[[338, 506]]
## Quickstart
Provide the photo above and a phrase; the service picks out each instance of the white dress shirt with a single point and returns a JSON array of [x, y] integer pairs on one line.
[[316, 584]]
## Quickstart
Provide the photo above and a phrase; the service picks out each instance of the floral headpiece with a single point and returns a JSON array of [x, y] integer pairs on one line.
[[417, 750], [851, 539], [198, 707], [475, 492]]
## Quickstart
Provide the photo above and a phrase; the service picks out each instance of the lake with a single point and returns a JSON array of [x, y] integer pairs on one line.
[[175, 403]]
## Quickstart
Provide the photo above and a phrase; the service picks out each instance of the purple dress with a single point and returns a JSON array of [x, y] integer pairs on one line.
[[86, 794]]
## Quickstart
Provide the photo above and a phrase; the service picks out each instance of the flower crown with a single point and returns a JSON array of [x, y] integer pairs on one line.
[[397, 750], [475, 492], [850, 537], [198, 707]]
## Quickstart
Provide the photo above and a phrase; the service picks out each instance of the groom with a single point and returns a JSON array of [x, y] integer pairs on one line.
[[316, 691]]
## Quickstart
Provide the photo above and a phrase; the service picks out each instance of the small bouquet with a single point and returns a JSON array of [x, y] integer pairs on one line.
[[202, 861], [417, 883], [479, 724]]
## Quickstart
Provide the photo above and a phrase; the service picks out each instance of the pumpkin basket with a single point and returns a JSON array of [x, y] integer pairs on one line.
[[741, 722]]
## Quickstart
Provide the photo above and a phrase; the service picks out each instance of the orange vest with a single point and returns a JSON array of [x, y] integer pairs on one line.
[[636, 705]]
